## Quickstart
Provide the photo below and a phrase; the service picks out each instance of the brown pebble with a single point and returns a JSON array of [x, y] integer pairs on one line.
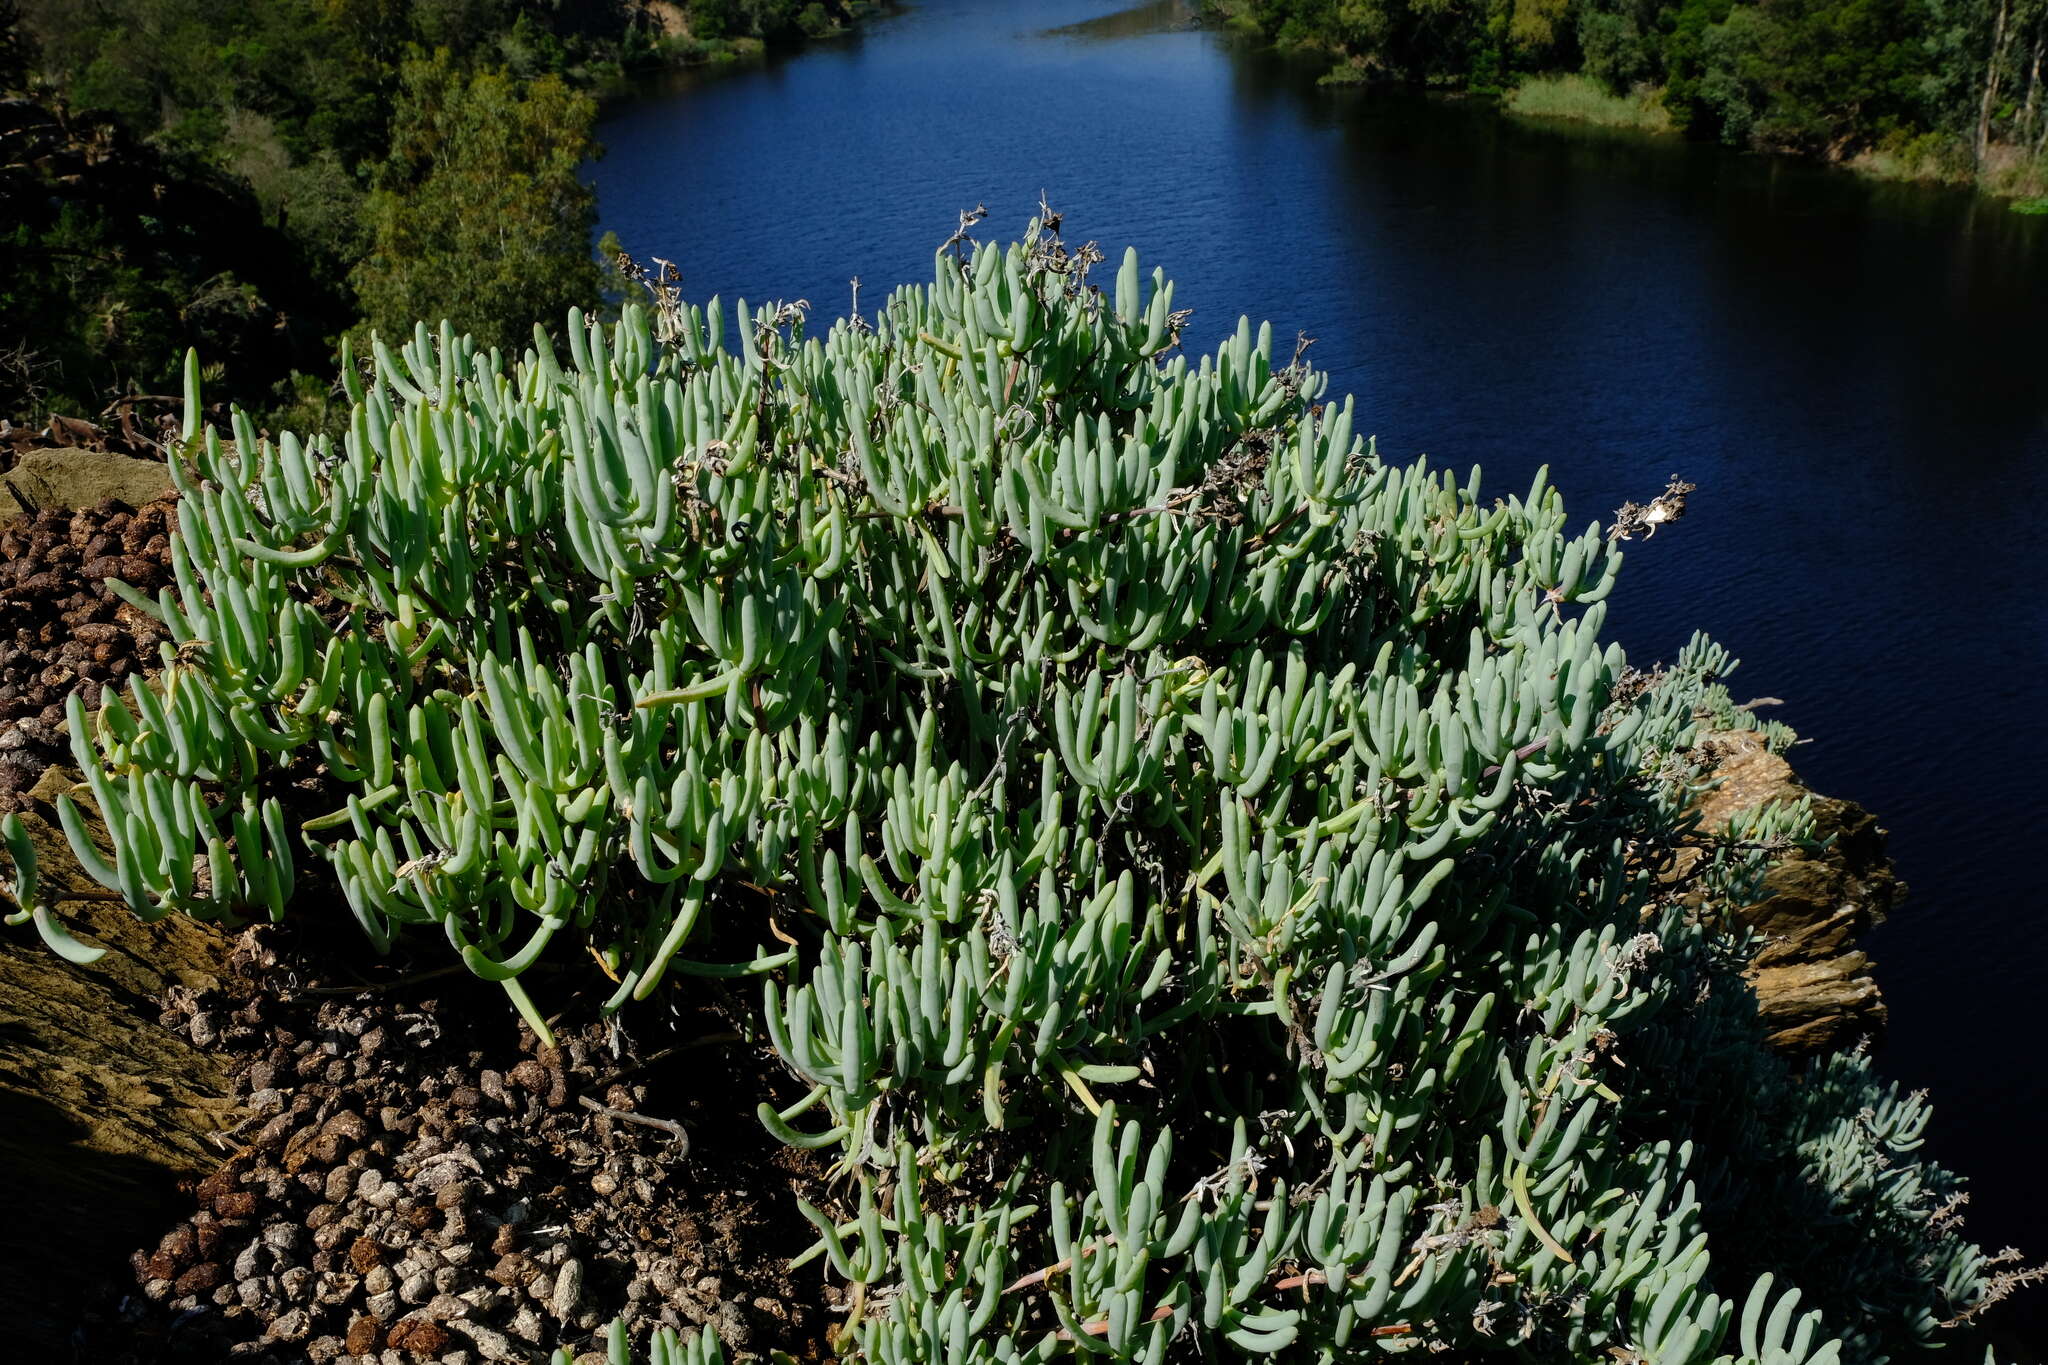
[[228, 1177], [272, 1135], [362, 1336], [200, 1278], [236, 1204], [348, 1125], [313, 1147], [180, 1244], [365, 1253], [420, 1336]]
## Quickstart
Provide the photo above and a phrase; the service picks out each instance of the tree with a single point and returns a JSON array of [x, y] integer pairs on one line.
[[477, 215], [1824, 77]]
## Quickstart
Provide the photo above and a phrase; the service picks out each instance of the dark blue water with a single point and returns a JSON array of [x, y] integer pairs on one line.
[[1855, 375]]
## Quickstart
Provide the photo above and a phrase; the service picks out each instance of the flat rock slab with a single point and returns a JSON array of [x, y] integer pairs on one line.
[[71, 478], [102, 1110]]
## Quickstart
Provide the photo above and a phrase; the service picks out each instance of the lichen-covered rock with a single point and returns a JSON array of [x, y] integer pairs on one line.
[[1813, 984], [102, 1112], [71, 478]]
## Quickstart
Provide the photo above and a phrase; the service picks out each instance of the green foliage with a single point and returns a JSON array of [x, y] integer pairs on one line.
[[479, 215], [1587, 101], [115, 257], [1212, 874], [286, 169], [1834, 79], [1816, 76], [721, 27], [26, 895], [664, 1347]]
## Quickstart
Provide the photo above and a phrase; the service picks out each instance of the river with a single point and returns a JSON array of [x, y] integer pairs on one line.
[[1855, 375]]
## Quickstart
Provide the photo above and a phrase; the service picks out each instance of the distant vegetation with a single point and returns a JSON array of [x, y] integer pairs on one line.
[[260, 177], [1923, 89], [1585, 100]]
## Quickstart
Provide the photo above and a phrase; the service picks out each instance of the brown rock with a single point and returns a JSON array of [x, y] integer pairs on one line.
[[315, 1147], [236, 1204], [271, 1136], [362, 1336], [200, 1279], [1814, 989], [180, 1244], [346, 1125], [365, 1253], [421, 1336], [512, 1270], [224, 1180], [1810, 1006]]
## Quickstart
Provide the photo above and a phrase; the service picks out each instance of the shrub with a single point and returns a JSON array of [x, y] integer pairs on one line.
[[1205, 879], [1583, 100]]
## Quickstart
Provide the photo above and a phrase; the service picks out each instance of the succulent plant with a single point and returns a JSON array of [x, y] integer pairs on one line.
[[664, 1347], [1205, 878]]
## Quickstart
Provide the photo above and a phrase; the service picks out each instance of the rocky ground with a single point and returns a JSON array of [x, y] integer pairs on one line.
[[63, 630], [79, 505], [416, 1179]]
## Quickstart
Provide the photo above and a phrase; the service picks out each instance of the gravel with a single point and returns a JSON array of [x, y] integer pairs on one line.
[[447, 1198]]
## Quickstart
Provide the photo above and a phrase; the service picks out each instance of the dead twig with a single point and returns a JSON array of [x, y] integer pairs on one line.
[[669, 1126], [396, 983], [1534, 746]]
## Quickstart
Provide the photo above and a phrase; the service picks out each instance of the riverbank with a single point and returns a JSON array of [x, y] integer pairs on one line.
[[1578, 99], [686, 37], [1860, 96], [2008, 173]]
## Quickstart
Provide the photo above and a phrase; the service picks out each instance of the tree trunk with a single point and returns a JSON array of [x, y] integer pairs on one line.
[[2033, 105], [1991, 73]]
